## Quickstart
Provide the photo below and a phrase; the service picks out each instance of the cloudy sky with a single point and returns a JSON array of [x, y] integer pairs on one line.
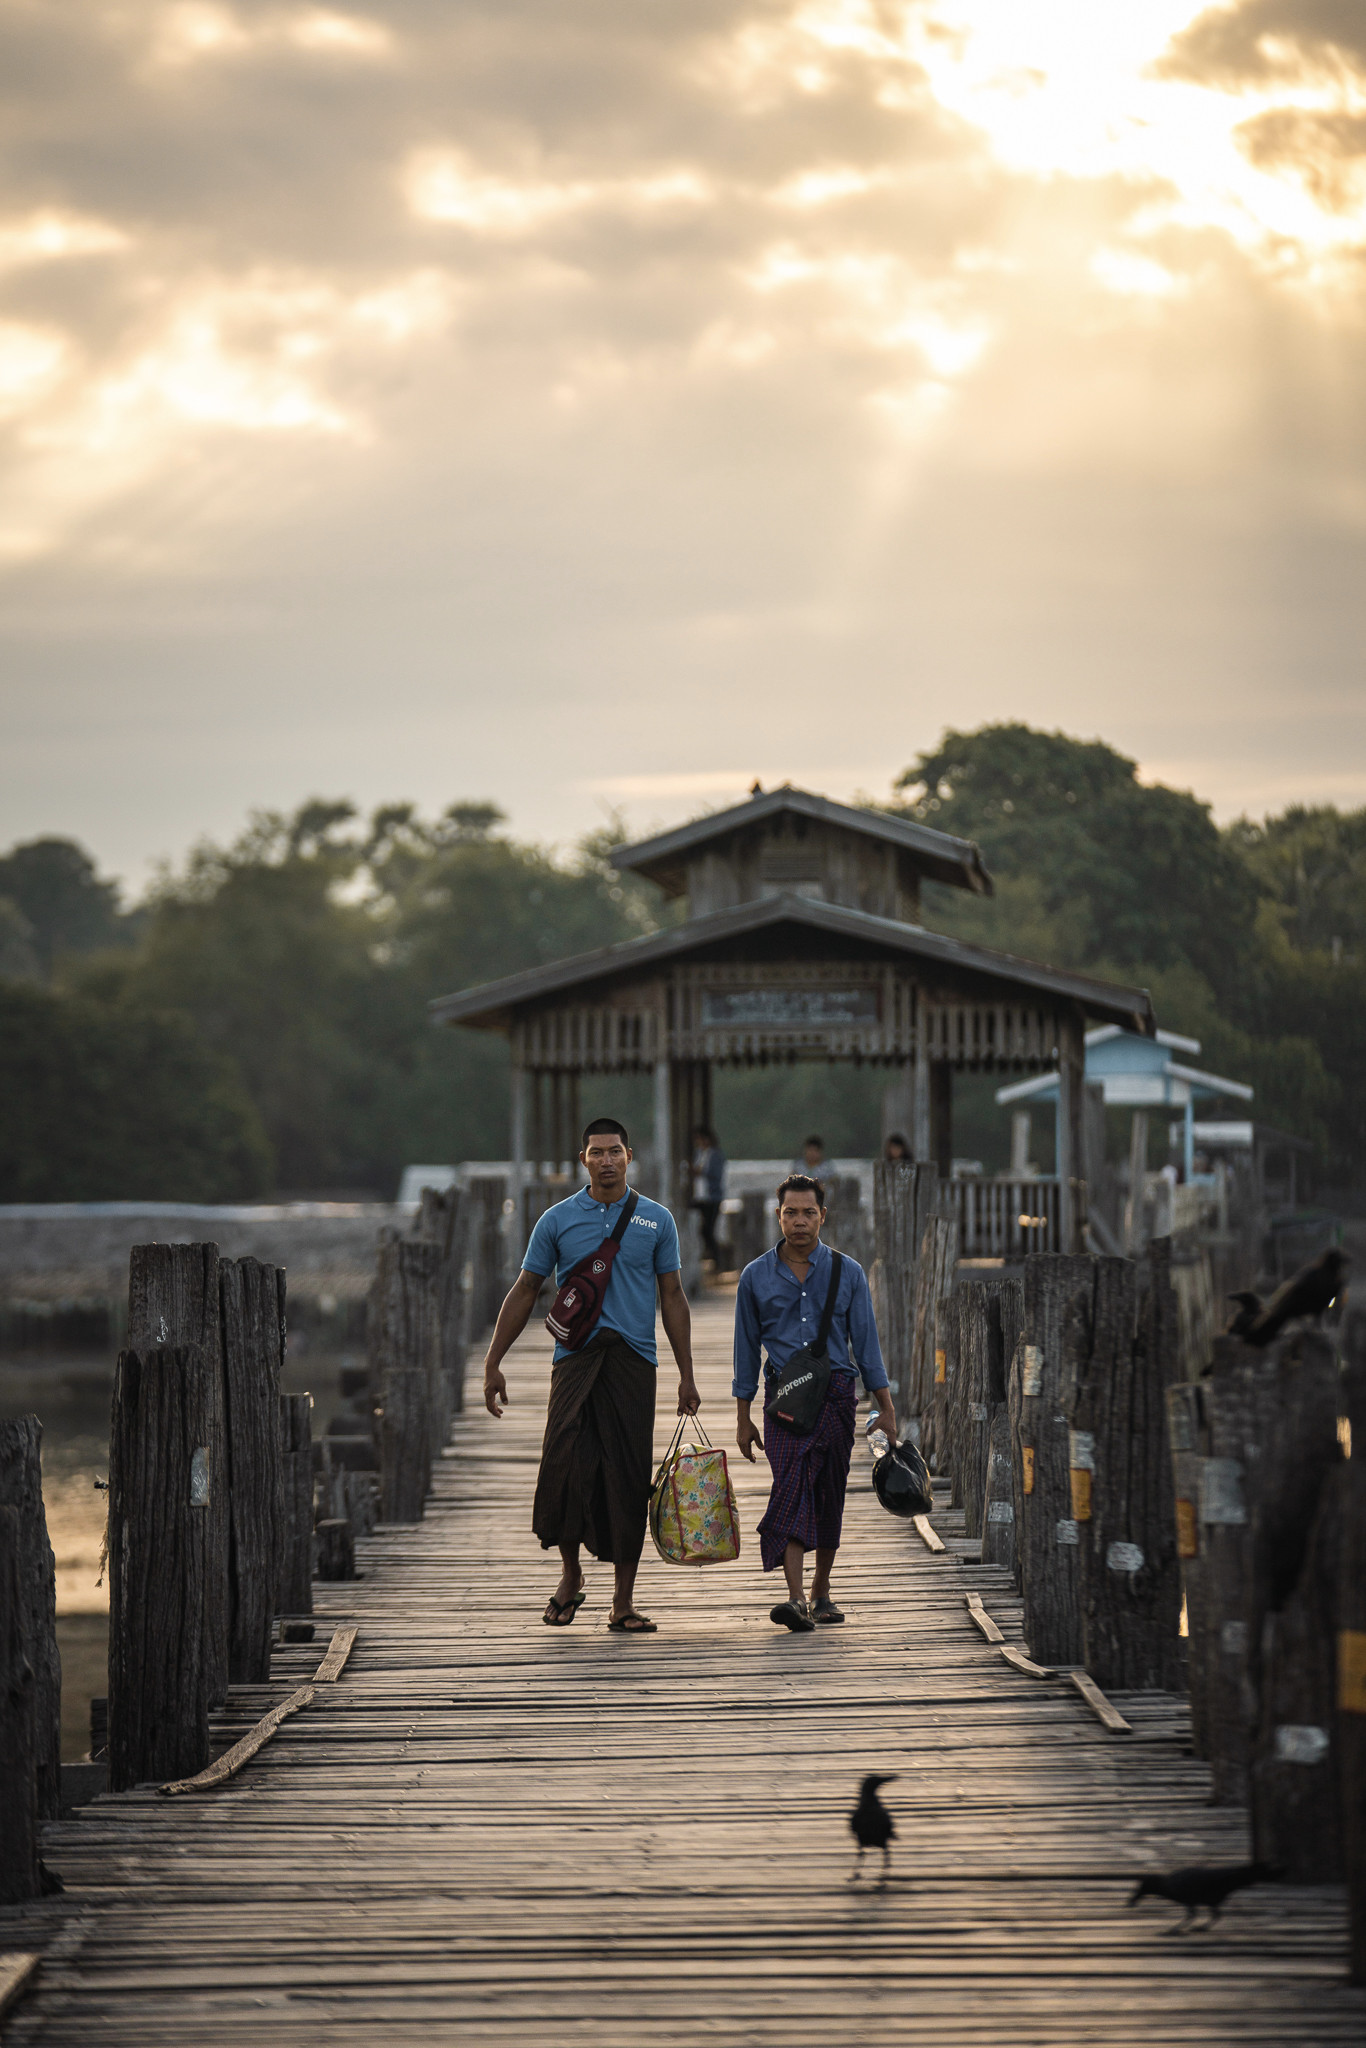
[[601, 402]]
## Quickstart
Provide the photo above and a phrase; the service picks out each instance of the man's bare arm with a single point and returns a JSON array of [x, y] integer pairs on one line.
[[677, 1320], [513, 1318]]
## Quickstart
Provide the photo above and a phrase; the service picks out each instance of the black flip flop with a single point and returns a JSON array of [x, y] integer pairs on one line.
[[570, 1607], [791, 1616], [643, 1625], [824, 1610]]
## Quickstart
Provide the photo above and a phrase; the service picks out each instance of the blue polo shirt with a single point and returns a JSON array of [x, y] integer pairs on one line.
[[649, 1246], [776, 1310]]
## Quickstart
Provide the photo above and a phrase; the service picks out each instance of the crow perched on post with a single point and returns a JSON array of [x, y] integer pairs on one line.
[[1249, 1308], [872, 1825], [1306, 1293], [1205, 1885]]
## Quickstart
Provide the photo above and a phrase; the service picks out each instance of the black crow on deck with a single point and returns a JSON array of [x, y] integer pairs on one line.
[[1249, 1308], [1306, 1293], [1207, 1885], [871, 1824]]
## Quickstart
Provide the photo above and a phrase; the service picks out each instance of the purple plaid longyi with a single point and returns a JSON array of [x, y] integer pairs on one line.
[[810, 1473]]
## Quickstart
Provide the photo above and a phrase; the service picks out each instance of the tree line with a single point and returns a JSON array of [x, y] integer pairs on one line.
[[258, 1022]]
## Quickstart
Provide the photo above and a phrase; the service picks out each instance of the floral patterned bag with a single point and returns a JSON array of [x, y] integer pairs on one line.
[[692, 1507]]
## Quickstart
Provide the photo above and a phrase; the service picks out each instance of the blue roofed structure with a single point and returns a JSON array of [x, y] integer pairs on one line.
[[1139, 1073]]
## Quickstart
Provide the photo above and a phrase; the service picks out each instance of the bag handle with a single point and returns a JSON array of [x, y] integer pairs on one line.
[[828, 1312], [615, 1234], [677, 1439]]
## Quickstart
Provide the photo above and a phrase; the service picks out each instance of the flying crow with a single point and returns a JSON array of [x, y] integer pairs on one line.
[[872, 1825], [1249, 1308], [1307, 1293], [1205, 1885]]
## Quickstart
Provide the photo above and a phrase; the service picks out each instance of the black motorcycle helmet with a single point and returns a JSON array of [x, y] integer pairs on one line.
[[901, 1481]]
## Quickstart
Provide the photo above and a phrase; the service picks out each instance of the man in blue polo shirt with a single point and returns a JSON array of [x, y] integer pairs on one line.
[[778, 1308], [593, 1488]]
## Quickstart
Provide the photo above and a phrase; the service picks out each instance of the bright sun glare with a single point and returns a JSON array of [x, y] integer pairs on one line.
[[1072, 88]]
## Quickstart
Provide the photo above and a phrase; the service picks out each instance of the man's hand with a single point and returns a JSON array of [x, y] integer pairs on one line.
[[747, 1436], [495, 1390], [689, 1400]]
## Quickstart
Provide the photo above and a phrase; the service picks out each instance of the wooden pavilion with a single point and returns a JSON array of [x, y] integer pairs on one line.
[[801, 941]]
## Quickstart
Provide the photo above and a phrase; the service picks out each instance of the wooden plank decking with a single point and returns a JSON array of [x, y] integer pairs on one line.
[[487, 1831]]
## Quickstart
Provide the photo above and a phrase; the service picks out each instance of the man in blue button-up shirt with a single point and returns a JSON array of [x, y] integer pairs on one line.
[[778, 1307]]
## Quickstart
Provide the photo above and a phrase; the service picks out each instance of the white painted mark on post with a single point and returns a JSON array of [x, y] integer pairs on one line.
[[199, 1478], [1081, 1450], [1000, 1511], [1124, 1557], [1298, 1745], [1233, 1638], [1179, 1421], [1221, 1492], [1067, 1533], [1033, 1369]]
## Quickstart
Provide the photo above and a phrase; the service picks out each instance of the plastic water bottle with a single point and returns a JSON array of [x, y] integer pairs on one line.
[[875, 1436]]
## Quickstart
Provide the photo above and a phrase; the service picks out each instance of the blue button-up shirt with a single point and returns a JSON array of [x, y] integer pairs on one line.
[[775, 1309]]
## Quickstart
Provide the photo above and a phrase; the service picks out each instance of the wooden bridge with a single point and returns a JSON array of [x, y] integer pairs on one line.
[[488, 1832]]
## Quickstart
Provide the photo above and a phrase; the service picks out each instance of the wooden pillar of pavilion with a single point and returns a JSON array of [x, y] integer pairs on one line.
[[941, 1117], [1070, 1129]]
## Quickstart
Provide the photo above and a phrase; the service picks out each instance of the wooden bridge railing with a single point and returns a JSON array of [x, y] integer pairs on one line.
[[1114, 1491], [222, 1504], [1121, 1497]]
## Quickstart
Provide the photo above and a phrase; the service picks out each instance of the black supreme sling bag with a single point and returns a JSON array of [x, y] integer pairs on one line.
[[797, 1395]]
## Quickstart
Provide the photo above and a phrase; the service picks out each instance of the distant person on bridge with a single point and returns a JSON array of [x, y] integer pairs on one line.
[[778, 1309], [811, 1158], [594, 1483], [708, 1187]]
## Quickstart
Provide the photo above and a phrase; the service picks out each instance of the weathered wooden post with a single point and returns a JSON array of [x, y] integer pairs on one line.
[[998, 1500], [336, 1548], [1186, 1434], [1272, 1437], [21, 1488], [1351, 1643], [1296, 1510], [443, 1220], [1226, 1547], [173, 1303], [998, 1524], [252, 1298], [294, 1583], [929, 1353], [1120, 1357], [979, 1370], [1046, 1532], [161, 1543], [20, 1825], [405, 1360]]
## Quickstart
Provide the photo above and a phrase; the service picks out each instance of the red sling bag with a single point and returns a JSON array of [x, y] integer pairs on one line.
[[576, 1308]]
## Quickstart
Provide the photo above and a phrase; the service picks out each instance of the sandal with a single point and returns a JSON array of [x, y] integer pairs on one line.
[[565, 1610], [633, 1624], [792, 1615], [825, 1609]]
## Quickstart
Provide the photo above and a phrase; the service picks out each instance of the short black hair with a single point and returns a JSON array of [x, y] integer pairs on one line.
[[704, 1131], [813, 1141], [801, 1184], [599, 1127]]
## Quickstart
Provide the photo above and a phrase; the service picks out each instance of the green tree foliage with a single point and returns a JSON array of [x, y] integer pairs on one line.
[[298, 964], [1132, 875], [103, 1105], [52, 898], [1251, 939], [309, 950]]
